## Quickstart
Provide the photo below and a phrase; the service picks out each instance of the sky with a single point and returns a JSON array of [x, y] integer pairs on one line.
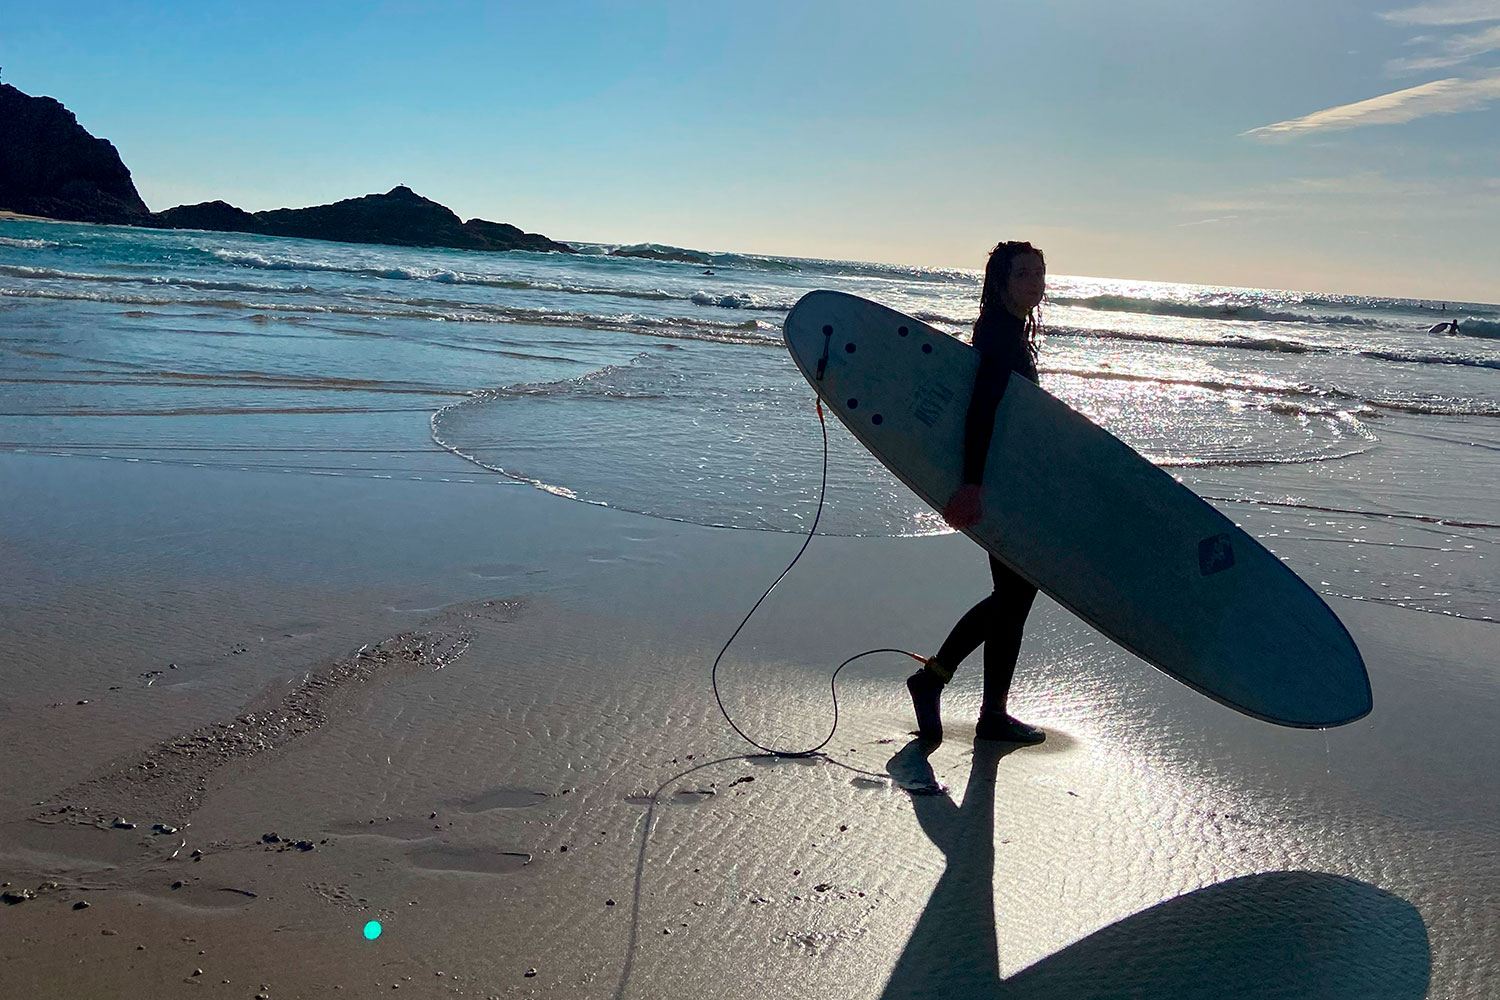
[[1305, 144]]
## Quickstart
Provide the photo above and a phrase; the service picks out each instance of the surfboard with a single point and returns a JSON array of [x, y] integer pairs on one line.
[[1087, 519]]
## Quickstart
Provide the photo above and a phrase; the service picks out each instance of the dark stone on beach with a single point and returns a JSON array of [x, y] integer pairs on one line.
[[12, 897], [650, 253], [121, 823], [305, 845], [269, 838], [163, 828], [82, 904], [823, 887], [51, 166], [530, 973], [177, 885]]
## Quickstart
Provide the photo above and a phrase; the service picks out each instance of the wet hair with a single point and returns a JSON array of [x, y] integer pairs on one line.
[[992, 294]]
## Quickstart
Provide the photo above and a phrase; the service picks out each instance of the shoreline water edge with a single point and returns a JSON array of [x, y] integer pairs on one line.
[[355, 583]]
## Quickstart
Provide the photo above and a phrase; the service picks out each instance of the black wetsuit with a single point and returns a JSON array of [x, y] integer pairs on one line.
[[997, 620]]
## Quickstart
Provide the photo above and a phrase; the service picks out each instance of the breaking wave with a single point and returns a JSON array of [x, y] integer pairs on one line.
[[1221, 310]]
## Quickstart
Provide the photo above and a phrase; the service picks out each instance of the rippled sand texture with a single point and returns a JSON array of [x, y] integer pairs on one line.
[[497, 739], [291, 641]]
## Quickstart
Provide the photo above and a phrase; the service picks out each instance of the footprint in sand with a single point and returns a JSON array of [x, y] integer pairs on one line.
[[194, 894], [423, 828], [683, 797], [506, 571], [503, 798], [478, 860]]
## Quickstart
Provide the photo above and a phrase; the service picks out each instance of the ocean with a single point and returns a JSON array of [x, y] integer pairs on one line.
[[1357, 444]]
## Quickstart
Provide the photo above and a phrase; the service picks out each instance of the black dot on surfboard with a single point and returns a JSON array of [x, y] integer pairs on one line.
[[827, 330], [877, 419], [926, 348], [853, 404], [902, 330], [849, 348]]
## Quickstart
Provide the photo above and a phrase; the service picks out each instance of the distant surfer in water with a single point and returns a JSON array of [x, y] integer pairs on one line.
[[1005, 334]]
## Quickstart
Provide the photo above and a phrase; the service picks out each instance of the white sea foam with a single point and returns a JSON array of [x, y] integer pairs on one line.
[[29, 244]]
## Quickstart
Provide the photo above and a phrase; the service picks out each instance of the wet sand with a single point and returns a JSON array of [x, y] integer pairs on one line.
[[481, 716]]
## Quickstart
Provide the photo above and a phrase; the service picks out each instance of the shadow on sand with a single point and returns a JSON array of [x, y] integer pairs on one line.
[[1278, 934]]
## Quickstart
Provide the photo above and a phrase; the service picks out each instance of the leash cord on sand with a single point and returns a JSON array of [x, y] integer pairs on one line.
[[640, 864], [832, 681]]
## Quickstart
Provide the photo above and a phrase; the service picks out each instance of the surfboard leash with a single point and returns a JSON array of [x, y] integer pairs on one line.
[[833, 680]]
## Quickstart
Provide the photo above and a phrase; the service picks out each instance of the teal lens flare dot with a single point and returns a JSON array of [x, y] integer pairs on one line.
[[372, 930]]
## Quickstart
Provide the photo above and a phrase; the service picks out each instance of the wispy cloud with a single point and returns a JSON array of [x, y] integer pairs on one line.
[[1448, 13], [1440, 97], [1451, 52], [1207, 222]]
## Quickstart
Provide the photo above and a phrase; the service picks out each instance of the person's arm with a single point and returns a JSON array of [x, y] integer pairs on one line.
[[979, 424], [965, 507]]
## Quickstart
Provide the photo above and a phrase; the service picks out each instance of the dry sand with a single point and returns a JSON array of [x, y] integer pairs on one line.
[[481, 716]]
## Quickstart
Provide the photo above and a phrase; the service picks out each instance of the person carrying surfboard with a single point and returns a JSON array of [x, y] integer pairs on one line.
[[1005, 335]]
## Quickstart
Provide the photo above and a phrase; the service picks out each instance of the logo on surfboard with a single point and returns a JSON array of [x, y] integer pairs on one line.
[[1215, 555]]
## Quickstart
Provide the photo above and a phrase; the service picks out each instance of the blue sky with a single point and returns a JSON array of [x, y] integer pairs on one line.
[[1330, 146]]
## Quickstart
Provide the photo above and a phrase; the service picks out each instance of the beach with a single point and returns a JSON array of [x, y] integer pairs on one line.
[[309, 637]]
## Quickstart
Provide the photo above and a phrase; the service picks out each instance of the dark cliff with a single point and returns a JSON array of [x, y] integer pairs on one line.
[[50, 165]]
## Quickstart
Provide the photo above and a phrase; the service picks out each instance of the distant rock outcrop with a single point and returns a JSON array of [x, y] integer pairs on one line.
[[50, 165], [651, 253], [219, 216], [400, 217]]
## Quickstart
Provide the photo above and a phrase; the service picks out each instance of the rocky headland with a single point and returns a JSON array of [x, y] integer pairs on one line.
[[400, 217], [53, 167]]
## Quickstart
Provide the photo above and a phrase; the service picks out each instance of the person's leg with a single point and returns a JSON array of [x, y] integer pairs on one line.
[[1009, 606], [1012, 599], [974, 628], [926, 685]]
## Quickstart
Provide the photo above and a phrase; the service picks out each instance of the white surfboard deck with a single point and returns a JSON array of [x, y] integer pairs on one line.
[[1084, 517]]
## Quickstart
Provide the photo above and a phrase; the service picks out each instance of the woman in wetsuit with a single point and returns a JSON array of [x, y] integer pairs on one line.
[[1005, 336]]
